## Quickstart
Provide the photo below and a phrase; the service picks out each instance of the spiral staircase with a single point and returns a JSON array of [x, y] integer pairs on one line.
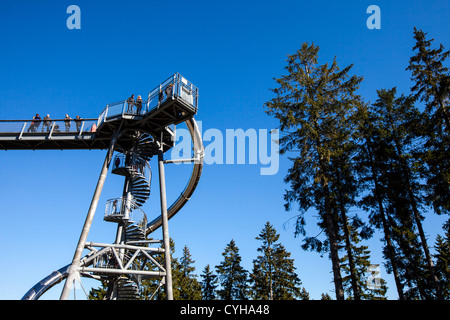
[[126, 211]]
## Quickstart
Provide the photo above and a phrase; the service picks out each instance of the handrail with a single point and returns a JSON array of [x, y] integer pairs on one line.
[[115, 207], [49, 126], [180, 88], [138, 164]]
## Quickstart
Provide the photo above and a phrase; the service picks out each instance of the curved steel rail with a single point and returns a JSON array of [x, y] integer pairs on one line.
[[193, 181]]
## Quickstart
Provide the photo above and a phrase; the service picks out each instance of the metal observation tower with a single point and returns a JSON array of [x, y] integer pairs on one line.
[[136, 132]]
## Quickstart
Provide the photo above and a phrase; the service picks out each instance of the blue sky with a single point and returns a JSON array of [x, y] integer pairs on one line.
[[231, 51]]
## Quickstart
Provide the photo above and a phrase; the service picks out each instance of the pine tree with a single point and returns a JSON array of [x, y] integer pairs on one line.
[[442, 257], [315, 104], [370, 166], [231, 275], [154, 288], [273, 276], [432, 86], [208, 284], [100, 293], [399, 123], [186, 282], [431, 78], [345, 191], [361, 262], [325, 296]]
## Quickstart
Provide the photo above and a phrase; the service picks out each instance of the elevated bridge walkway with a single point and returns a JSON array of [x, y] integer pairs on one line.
[[172, 102]]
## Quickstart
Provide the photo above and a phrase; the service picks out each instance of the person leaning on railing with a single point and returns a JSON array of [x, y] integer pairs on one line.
[[78, 122], [35, 123], [67, 122], [47, 123]]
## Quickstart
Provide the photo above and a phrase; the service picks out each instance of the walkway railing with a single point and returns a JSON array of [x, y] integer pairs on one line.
[[116, 208], [139, 165], [49, 127], [175, 86]]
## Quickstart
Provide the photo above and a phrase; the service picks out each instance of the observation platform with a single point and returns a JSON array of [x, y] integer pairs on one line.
[[172, 102]]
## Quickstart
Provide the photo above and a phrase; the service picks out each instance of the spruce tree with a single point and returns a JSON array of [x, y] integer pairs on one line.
[[442, 257], [153, 288], [371, 168], [100, 293], [361, 262], [231, 275], [431, 79], [399, 123], [186, 280], [315, 105], [208, 284], [273, 276]]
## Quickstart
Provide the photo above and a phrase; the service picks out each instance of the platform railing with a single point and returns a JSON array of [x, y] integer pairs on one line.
[[137, 164], [176, 86], [48, 127], [116, 208]]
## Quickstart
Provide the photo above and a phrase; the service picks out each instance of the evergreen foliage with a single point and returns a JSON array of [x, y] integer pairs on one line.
[[273, 276], [232, 277], [209, 284], [315, 105]]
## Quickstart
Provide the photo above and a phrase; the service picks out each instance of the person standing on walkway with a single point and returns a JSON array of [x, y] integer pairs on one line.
[[47, 123], [67, 122], [35, 123], [130, 102], [78, 123], [138, 105]]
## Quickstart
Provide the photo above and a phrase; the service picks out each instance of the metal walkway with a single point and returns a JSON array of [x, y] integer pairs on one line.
[[174, 101]]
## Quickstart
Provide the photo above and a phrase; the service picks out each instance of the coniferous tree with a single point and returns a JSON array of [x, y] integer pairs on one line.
[[186, 281], [399, 122], [432, 86], [371, 168], [442, 257], [273, 276], [231, 275], [304, 295], [100, 293], [154, 288], [361, 263], [208, 284], [431, 79], [325, 296], [345, 191], [315, 106]]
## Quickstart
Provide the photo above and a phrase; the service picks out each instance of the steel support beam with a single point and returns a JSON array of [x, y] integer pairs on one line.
[[165, 225], [74, 269]]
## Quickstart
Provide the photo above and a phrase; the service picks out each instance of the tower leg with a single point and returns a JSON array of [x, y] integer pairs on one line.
[[165, 225], [74, 268]]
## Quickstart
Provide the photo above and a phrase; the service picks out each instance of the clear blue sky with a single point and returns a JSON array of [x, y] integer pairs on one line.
[[231, 50]]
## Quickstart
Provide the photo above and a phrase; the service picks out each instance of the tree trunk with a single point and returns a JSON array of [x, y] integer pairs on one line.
[[351, 263], [416, 215], [332, 237], [386, 226]]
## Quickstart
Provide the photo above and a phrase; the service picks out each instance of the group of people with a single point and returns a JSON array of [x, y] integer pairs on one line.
[[131, 102], [47, 123]]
